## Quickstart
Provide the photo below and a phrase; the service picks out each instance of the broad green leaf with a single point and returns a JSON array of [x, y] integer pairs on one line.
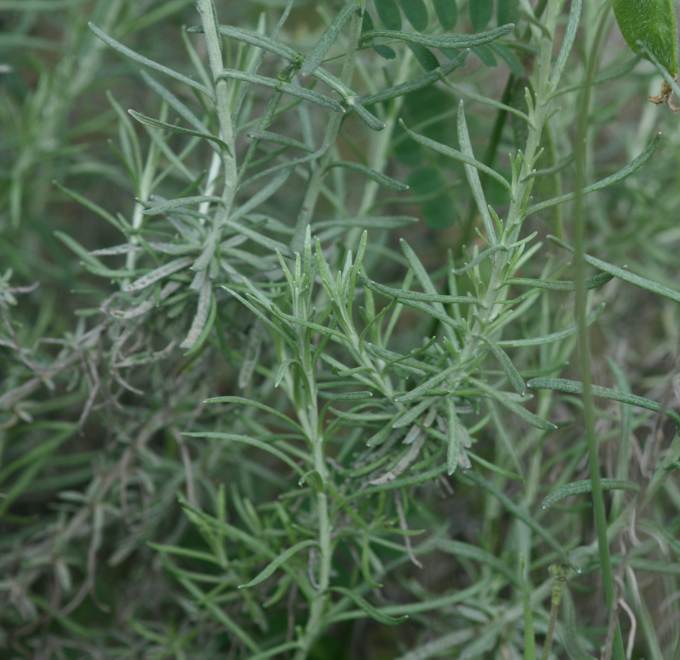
[[447, 13], [481, 12], [507, 11], [424, 56], [652, 25], [389, 13], [416, 12]]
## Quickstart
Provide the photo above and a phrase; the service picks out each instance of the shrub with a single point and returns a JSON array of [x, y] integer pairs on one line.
[[310, 368]]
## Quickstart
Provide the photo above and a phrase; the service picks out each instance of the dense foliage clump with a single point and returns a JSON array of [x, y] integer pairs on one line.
[[336, 330]]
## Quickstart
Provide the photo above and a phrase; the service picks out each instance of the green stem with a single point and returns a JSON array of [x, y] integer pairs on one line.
[[209, 22], [330, 136], [600, 514]]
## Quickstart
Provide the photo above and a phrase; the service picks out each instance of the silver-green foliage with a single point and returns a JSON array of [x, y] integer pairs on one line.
[[364, 376]]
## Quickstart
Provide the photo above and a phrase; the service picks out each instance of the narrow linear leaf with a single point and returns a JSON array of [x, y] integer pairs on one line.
[[201, 324], [157, 123], [459, 156], [252, 442], [89, 204], [511, 371], [277, 138], [626, 275], [157, 274], [554, 336], [458, 440], [280, 560], [567, 41], [513, 406], [145, 61], [402, 294], [180, 203], [422, 81], [258, 40], [365, 115], [178, 106], [622, 174], [426, 386], [576, 387], [284, 87], [452, 41], [90, 262], [372, 174], [261, 196], [219, 614], [518, 511], [472, 175], [253, 403], [585, 486], [328, 38], [372, 611], [594, 282]]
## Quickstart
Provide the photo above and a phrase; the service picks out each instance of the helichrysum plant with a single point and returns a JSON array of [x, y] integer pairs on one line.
[[357, 341]]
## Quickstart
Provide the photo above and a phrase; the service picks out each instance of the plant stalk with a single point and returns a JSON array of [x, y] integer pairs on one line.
[[583, 339]]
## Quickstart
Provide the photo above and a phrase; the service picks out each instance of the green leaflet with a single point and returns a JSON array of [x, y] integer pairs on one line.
[[480, 13], [389, 13], [416, 12], [651, 24], [447, 13]]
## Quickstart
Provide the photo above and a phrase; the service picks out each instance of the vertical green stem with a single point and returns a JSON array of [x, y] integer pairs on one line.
[[309, 419], [600, 514], [330, 135], [209, 22]]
